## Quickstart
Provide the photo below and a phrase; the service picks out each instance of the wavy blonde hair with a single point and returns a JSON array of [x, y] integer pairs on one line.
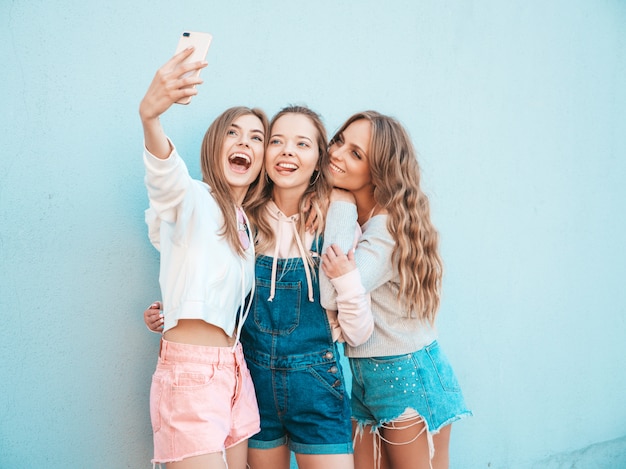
[[396, 178], [213, 171], [314, 198]]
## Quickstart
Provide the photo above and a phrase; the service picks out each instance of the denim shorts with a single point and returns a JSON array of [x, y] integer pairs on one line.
[[201, 401], [384, 387], [294, 363], [305, 407]]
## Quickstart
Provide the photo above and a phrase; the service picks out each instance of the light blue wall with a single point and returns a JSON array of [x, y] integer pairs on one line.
[[518, 110]]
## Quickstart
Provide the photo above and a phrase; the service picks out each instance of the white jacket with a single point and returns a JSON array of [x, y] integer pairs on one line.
[[200, 275]]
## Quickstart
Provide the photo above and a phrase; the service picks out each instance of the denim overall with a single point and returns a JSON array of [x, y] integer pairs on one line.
[[294, 364]]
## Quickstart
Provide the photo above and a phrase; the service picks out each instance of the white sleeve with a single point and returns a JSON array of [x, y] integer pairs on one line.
[[345, 295], [170, 191], [341, 224]]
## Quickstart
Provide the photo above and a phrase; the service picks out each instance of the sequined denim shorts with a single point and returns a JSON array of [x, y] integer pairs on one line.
[[384, 387]]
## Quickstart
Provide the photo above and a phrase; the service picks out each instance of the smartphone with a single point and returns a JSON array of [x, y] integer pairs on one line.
[[201, 43]]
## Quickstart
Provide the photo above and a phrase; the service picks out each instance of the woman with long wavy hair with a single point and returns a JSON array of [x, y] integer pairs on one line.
[[404, 393]]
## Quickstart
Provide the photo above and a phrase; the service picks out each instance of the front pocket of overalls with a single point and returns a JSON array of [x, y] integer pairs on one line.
[[329, 376], [281, 315]]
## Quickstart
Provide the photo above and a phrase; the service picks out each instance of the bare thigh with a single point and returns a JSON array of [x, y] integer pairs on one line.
[[414, 455], [406, 446], [367, 450], [236, 457], [442, 446], [275, 458], [325, 461], [204, 461]]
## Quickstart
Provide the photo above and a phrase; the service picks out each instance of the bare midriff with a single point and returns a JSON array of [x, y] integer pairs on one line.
[[198, 332]]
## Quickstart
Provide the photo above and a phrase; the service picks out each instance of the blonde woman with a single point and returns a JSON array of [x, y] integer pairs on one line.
[[404, 393], [288, 341], [202, 401]]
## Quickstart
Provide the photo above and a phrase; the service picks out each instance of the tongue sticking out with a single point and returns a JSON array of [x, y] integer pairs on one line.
[[286, 167]]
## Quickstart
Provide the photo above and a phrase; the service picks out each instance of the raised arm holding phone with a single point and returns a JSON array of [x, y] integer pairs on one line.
[[202, 402]]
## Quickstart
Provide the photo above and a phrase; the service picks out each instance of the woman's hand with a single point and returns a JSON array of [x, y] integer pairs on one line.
[[154, 318], [335, 263], [170, 84], [342, 195]]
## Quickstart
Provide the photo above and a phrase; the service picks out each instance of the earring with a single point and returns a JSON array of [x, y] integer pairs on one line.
[[317, 176]]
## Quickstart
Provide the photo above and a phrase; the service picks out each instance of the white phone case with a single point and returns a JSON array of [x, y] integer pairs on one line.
[[201, 43]]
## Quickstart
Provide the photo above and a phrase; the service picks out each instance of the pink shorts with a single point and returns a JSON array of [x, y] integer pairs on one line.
[[201, 401]]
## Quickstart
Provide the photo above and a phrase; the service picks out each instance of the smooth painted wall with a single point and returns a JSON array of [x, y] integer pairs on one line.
[[517, 109]]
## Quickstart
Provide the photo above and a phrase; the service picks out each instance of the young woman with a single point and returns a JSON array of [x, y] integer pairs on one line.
[[202, 402], [287, 339], [404, 393]]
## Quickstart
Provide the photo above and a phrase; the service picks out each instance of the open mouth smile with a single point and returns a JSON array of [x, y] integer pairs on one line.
[[239, 162]]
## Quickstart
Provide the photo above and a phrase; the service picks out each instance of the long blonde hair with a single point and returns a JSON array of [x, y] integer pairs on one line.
[[317, 192], [213, 171], [396, 178]]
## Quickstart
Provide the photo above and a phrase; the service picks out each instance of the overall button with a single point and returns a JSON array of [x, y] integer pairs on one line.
[[328, 355]]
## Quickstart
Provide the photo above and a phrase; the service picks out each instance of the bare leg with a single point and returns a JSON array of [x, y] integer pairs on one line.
[[325, 461], [237, 456], [204, 461], [407, 445], [275, 458], [441, 460], [367, 448]]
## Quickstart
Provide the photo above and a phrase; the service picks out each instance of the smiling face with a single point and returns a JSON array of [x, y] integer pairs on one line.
[[349, 158], [242, 153], [292, 153]]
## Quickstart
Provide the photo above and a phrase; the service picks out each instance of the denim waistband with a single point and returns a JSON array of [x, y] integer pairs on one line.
[[205, 354]]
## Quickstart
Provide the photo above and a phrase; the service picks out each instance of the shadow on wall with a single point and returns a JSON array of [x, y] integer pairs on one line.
[[607, 455]]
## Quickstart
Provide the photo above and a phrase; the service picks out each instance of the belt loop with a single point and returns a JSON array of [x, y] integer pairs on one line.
[[236, 354], [161, 347]]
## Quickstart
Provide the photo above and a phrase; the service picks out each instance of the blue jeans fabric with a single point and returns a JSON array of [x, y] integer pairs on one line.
[[295, 366], [384, 387]]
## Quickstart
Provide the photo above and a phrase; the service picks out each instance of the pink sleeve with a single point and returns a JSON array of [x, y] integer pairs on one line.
[[353, 322]]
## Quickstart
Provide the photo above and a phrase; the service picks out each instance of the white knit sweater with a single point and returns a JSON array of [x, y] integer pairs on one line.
[[396, 331]]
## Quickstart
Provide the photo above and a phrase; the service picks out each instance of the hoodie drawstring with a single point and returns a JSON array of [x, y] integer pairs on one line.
[[307, 271], [279, 235], [303, 256], [244, 315]]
